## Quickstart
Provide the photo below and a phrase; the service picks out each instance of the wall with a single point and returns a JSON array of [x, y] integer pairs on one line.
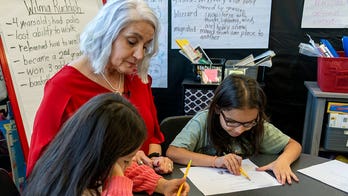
[[284, 82]]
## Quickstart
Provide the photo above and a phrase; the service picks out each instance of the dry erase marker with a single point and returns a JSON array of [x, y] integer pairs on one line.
[[345, 45], [329, 47], [185, 175], [243, 172]]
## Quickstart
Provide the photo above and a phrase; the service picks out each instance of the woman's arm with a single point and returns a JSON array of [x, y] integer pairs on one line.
[[161, 164], [155, 148]]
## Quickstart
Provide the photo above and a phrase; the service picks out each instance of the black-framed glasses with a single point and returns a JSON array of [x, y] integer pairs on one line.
[[233, 123]]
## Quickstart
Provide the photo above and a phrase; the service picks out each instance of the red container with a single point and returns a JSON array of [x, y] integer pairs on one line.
[[333, 74]]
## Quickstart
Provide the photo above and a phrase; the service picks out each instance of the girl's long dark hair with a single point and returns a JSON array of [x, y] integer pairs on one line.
[[236, 92], [82, 154]]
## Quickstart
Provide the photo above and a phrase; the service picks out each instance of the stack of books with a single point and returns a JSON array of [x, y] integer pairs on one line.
[[195, 55]]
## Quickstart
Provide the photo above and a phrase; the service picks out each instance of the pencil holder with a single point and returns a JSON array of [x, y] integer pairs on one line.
[[332, 75]]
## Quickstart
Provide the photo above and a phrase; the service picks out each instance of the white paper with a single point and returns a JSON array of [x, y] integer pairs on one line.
[[159, 63], [221, 24], [39, 38], [325, 14], [212, 181], [333, 173]]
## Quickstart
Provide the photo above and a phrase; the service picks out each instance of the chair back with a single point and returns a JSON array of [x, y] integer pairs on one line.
[[170, 127], [7, 186]]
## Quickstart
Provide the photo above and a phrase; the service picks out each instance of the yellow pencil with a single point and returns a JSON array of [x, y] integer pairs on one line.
[[244, 173], [185, 175]]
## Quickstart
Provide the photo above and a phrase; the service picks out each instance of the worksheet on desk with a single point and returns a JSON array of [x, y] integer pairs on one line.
[[333, 173], [211, 181]]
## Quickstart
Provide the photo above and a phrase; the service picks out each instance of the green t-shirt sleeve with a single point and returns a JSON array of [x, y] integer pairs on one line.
[[274, 141], [192, 136]]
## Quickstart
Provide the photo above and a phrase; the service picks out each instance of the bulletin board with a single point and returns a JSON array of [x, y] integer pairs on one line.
[[37, 39]]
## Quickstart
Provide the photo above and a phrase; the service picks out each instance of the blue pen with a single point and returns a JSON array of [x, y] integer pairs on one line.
[[345, 45], [329, 46]]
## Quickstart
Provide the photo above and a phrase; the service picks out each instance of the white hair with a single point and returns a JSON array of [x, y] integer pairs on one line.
[[97, 38]]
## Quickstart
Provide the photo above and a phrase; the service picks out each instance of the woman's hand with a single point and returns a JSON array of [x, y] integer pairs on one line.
[[141, 158], [282, 171], [171, 187], [162, 165], [230, 161]]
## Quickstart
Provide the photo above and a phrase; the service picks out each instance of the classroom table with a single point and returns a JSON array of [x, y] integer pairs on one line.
[[306, 187]]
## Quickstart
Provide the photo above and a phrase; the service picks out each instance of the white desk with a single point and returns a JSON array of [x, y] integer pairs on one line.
[[315, 110]]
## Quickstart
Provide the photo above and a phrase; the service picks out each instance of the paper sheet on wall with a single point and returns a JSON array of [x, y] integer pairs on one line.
[[159, 64], [211, 181], [325, 14], [222, 23], [39, 38], [333, 173]]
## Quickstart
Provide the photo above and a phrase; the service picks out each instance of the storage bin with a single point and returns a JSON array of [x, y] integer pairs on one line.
[[333, 74], [218, 63], [336, 139], [250, 71]]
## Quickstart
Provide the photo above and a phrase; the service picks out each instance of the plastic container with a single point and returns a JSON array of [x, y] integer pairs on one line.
[[218, 63], [336, 139], [333, 74], [231, 67]]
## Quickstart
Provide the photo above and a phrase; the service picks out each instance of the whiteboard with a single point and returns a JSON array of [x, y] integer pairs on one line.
[[39, 37], [222, 23]]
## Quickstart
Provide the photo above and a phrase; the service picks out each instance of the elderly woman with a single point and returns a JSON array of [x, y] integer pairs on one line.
[[117, 46]]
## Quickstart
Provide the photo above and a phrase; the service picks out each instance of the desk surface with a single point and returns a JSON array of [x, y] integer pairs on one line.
[[306, 187]]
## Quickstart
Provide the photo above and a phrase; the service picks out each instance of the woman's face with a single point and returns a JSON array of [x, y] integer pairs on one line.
[[236, 121], [130, 46]]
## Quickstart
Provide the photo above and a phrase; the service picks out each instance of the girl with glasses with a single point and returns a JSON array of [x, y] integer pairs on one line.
[[234, 127]]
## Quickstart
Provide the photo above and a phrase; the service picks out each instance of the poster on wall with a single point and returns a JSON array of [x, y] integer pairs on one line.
[[218, 24], [325, 14], [38, 38], [159, 64]]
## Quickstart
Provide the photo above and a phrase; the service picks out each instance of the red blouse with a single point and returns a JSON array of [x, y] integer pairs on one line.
[[68, 90]]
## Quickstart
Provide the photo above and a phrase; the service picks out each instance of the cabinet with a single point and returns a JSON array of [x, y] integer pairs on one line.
[[315, 111], [196, 96]]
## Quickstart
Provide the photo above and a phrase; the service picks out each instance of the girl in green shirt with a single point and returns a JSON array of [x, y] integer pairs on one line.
[[235, 127]]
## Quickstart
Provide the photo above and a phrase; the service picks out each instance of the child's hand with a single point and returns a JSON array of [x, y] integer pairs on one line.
[[230, 161], [171, 187], [282, 171]]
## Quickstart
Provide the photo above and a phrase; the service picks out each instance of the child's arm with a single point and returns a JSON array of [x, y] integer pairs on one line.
[[230, 161], [183, 156], [281, 166]]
